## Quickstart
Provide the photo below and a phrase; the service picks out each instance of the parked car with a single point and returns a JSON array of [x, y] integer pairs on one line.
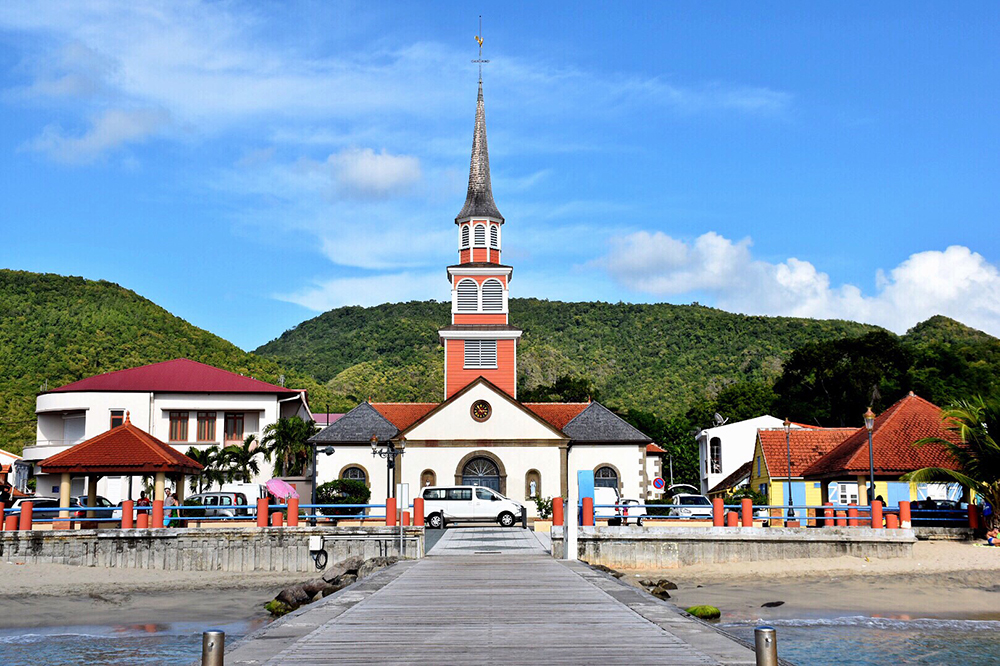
[[690, 505], [46, 503], [453, 504], [101, 503], [229, 505], [251, 491]]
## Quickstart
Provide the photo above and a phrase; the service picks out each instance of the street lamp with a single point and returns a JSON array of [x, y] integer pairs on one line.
[[870, 424], [788, 450], [389, 451], [327, 450]]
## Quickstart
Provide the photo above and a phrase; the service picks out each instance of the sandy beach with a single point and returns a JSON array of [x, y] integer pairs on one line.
[[53, 594], [948, 580]]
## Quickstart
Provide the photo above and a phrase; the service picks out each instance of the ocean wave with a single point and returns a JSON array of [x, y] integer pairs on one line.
[[864, 621]]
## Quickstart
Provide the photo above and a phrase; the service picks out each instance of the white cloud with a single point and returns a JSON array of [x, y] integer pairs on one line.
[[365, 173], [371, 290], [109, 130], [956, 282]]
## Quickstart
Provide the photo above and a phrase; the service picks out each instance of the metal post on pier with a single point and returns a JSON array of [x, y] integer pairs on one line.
[[766, 646], [213, 647]]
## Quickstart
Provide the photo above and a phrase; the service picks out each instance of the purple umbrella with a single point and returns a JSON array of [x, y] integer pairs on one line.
[[281, 489]]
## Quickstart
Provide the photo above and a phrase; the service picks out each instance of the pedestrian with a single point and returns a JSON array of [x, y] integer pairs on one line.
[[169, 501]]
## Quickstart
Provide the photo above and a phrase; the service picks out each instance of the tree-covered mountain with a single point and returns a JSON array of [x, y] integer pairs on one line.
[[56, 329]]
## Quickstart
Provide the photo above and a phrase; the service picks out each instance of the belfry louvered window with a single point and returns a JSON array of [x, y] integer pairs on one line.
[[480, 353], [468, 296], [494, 236], [492, 296], [480, 234], [465, 235]]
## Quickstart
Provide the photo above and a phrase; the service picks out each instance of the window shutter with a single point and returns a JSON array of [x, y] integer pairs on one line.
[[494, 236], [480, 353], [492, 296], [468, 296], [465, 235], [480, 235]]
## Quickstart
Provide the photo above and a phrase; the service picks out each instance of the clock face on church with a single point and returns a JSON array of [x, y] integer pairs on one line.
[[481, 410]]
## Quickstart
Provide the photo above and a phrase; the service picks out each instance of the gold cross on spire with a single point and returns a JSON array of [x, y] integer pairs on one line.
[[479, 40]]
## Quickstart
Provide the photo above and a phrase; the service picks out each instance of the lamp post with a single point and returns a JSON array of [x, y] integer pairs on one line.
[[389, 451], [788, 449], [327, 450], [870, 424]]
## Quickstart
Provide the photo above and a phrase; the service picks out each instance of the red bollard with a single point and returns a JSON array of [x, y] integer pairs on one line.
[[10, 523], [27, 508], [841, 519], [746, 508], [973, 516], [828, 515], [390, 511], [557, 511], [892, 521], [588, 511], [904, 514], [293, 511], [2, 514], [717, 511], [157, 520], [142, 520], [262, 512], [277, 519], [852, 515], [127, 517], [876, 515], [406, 519], [418, 512], [732, 519]]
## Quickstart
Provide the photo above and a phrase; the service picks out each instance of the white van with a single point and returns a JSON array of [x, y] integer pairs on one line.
[[453, 504]]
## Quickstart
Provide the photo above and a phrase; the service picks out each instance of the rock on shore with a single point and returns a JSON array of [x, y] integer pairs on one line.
[[336, 577]]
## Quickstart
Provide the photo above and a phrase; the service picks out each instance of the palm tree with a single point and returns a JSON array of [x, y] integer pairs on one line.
[[241, 459], [976, 423], [285, 442], [211, 459]]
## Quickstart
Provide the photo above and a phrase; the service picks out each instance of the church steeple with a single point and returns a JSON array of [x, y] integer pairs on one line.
[[479, 200]]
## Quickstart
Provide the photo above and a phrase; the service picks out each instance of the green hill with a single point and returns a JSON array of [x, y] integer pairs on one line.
[[55, 330], [659, 358]]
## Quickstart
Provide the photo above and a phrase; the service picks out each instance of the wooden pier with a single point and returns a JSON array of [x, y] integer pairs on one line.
[[489, 596]]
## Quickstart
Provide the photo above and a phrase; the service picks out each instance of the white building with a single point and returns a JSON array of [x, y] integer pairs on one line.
[[181, 402], [723, 449]]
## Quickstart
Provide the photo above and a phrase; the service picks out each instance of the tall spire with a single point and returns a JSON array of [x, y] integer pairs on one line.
[[479, 201]]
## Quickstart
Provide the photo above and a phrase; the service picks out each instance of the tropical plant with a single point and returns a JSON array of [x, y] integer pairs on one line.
[[195, 512], [976, 423], [285, 442], [212, 461], [737, 495], [240, 460], [343, 491], [544, 507]]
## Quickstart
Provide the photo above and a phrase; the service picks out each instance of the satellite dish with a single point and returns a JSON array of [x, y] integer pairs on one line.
[[719, 420]]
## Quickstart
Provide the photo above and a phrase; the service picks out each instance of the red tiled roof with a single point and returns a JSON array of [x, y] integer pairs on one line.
[[653, 448], [180, 375], [403, 414], [122, 450], [807, 445], [557, 414], [742, 473], [896, 429]]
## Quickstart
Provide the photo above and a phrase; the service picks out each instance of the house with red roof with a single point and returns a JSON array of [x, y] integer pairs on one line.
[[480, 433], [181, 402]]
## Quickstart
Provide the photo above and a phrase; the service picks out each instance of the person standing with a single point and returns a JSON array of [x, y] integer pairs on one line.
[[169, 501]]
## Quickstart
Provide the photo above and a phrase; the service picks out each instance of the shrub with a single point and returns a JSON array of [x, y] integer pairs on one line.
[[746, 491], [655, 510], [544, 507], [192, 513], [343, 491]]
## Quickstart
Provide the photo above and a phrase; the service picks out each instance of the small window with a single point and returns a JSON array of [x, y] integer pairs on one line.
[[211, 500], [483, 494], [492, 296], [462, 494], [434, 493], [206, 426], [758, 466], [494, 236], [117, 417], [465, 235], [178, 426], [606, 477], [468, 296], [480, 353], [354, 474], [234, 427], [480, 234], [226, 500], [716, 454]]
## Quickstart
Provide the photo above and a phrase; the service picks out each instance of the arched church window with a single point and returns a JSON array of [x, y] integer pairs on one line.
[[468, 295], [715, 451], [481, 472], [606, 477], [494, 236], [354, 473], [480, 234], [465, 235], [492, 296]]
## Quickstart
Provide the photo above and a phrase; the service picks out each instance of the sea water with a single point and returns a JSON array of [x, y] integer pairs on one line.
[[873, 641], [173, 643]]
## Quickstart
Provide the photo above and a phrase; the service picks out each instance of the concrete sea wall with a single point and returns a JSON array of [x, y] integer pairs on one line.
[[205, 549], [673, 547]]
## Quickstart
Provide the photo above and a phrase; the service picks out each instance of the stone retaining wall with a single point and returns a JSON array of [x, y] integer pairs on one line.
[[673, 547], [205, 549]]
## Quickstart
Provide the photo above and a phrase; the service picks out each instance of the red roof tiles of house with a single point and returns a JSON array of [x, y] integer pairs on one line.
[[180, 375], [403, 414], [807, 446], [557, 414], [896, 429], [122, 450], [653, 448]]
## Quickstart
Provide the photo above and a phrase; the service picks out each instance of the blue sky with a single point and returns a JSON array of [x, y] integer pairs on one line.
[[248, 165]]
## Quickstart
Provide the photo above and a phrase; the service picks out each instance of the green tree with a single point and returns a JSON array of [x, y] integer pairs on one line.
[[676, 435], [565, 389], [736, 402], [214, 471], [343, 491], [978, 456], [285, 442], [241, 459]]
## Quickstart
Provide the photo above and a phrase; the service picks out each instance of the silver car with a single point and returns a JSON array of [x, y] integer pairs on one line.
[[229, 505]]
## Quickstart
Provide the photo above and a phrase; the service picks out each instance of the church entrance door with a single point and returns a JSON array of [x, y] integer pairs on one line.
[[481, 472]]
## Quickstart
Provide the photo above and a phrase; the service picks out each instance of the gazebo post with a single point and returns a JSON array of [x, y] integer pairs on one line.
[[92, 493], [180, 488], [158, 486], [65, 487]]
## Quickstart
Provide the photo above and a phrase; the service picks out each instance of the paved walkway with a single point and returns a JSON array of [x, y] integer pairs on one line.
[[489, 596]]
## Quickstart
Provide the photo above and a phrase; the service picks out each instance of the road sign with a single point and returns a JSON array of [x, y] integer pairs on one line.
[[659, 483]]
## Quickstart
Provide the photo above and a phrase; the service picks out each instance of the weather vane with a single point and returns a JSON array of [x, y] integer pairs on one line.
[[479, 40]]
